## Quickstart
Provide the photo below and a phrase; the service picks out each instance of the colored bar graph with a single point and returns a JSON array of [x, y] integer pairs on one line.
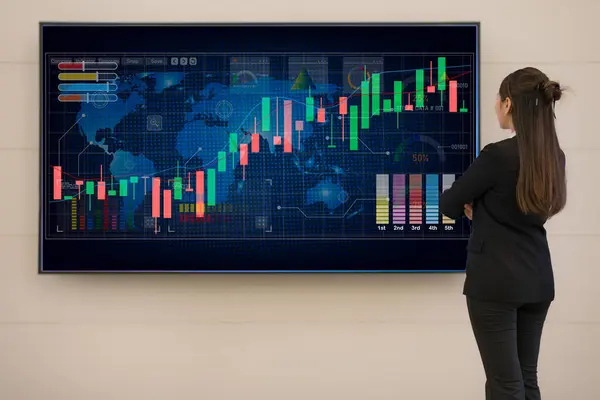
[[343, 105], [453, 96], [57, 179], [101, 190], [222, 161], [441, 73], [432, 199], [277, 140], [364, 106], [74, 214], [244, 154], [88, 87], [310, 108], [299, 125], [87, 76], [112, 193], [387, 105], [200, 194], [167, 207], [420, 93], [266, 114], [398, 96], [382, 199], [287, 126], [353, 127], [463, 109], [376, 98], [211, 194], [88, 66], [233, 142], [123, 187], [155, 197], [178, 187], [415, 199], [447, 181], [255, 148], [399, 199]]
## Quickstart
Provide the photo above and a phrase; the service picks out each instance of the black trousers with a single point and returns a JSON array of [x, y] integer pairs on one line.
[[508, 336]]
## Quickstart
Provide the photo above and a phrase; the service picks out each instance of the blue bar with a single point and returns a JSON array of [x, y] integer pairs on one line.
[[432, 199], [90, 223], [87, 87]]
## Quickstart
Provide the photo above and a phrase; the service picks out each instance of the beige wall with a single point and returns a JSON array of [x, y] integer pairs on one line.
[[291, 337]]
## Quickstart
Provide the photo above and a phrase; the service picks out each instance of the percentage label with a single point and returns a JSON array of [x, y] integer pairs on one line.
[[420, 157]]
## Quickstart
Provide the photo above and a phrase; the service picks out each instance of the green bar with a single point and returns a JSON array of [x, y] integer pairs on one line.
[[123, 188], [178, 188], [463, 108], [353, 127], [266, 114], [441, 73], [112, 192], [376, 79], [398, 96], [233, 143], [133, 179], [89, 187], [364, 111], [420, 93], [310, 109], [387, 105], [222, 165], [210, 192], [68, 197]]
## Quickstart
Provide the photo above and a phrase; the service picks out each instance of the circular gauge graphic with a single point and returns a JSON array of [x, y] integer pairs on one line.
[[224, 109], [357, 74], [244, 78], [99, 100], [419, 149]]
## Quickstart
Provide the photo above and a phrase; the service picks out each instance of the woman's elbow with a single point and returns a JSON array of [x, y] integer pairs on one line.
[[450, 210]]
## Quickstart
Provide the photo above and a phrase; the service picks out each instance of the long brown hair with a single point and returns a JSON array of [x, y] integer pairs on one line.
[[541, 186]]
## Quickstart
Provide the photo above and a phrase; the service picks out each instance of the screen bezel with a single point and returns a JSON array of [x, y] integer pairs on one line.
[[43, 25]]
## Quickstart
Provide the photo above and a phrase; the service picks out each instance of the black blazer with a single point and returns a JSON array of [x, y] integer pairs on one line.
[[508, 258]]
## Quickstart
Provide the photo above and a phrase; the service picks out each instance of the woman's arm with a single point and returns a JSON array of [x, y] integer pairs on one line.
[[477, 179]]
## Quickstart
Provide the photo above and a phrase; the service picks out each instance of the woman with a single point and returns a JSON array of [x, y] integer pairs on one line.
[[509, 192]]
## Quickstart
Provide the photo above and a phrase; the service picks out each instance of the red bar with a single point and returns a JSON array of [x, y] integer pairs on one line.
[[167, 203], [155, 197], [82, 222], [243, 154], [277, 140], [101, 190], [415, 199], [255, 143], [430, 89], [70, 66], [200, 194], [343, 105], [79, 183], [321, 115], [57, 182], [300, 125], [453, 96], [408, 107], [287, 126]]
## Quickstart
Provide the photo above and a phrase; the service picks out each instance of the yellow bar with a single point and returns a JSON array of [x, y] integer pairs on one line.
[[66, 76], [180, 208]]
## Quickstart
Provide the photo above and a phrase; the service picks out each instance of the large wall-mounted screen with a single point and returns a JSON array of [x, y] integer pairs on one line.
[[254, 148]]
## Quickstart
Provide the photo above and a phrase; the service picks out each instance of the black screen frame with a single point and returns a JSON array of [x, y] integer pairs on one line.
[[43, 25]]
